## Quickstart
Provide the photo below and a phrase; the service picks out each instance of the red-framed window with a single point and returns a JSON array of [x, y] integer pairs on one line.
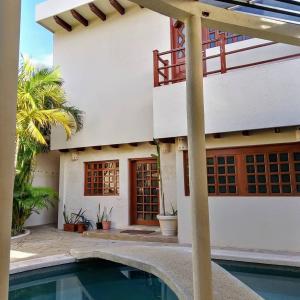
[[272, 170], [101, 178]]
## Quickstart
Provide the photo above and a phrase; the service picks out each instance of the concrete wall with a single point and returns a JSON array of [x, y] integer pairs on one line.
[[258, 97], [46, 175], [107, 68], [72, 182]]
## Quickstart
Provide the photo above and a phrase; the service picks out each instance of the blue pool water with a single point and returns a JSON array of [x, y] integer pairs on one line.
[[270, 282], [88, 280]]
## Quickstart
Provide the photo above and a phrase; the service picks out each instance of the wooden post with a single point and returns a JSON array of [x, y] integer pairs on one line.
[[9, 53], [202, 278], [166, 72], [223, 52], [155, 68]]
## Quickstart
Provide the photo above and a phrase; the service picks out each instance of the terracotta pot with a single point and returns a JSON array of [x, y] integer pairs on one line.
[[168, 225], [81, 228], [99, 225], [70, 227], [106, 225]]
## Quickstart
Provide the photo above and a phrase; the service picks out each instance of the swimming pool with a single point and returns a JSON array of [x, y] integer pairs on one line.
[[270, 282], [88, 280]]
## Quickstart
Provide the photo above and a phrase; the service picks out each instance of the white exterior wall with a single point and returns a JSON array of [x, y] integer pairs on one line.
[[257, 223], [107, 68], [72, 182], [263, 96], [46, 175]]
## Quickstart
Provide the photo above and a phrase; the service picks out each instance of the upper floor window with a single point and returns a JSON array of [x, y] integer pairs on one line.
[[101, 178], [261, 170]]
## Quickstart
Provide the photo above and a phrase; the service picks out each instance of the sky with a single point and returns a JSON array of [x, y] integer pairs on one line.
[[35, 41]]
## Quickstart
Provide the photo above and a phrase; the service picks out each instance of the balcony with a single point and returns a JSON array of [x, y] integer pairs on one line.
[[248, 85], [221, 59]]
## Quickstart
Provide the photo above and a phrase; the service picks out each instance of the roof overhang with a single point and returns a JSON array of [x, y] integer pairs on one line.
[[227, 20], [47, 11]]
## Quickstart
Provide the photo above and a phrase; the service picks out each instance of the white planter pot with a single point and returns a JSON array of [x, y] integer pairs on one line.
[[168, 225]]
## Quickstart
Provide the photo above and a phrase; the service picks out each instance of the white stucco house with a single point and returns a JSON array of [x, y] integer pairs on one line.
[[123, 65]]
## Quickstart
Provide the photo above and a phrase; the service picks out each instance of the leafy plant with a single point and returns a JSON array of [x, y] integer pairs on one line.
[[27, 201], [100, 216], [107, 216]]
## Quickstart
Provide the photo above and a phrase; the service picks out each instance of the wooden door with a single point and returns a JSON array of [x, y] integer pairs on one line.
[[144, 192]]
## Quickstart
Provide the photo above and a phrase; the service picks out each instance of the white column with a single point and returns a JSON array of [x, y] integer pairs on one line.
[[9, 53], [202, 277]]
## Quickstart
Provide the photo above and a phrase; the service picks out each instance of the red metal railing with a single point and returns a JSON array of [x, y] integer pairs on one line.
[[166, 73]]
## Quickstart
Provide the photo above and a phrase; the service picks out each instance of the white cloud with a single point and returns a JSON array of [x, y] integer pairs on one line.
[[45, 60]]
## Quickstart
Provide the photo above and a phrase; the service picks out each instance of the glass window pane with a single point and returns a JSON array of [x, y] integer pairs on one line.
[[211, 189], [275, 189], [251, 178], [286, 189], [285, 178], [297, 156], [211, 179], [210, 170], [273, 157], [221, 160], [231, 169], [222, 179], [230, 159], [221, 170], [249, 158], [261, 178], [297, 167], [232, 189], [274, 178], [261, 169], [283, 157], [260, 158], [262, 189], [222, 189], [231, 179], [284, 167], [210, 161], [250, 169], [251, 189], [273, 168]]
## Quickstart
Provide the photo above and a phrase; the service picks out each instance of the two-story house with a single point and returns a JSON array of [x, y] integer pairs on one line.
[[124, 66]]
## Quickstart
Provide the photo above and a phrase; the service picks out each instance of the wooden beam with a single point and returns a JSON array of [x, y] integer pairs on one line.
[[97, 148], [119, 8], [227, 20], [217, 135], [133, 144], [79, 18], [80, 149], [115, 146], [62, 23], [63, 150], [245, 132], [277, 130], [98, 12], [152, 143], [167, 140]]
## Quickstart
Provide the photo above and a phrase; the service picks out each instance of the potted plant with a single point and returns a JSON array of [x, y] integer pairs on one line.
[[83, 223], [106, 223], [167, 220], [99, 218], [69, 222]]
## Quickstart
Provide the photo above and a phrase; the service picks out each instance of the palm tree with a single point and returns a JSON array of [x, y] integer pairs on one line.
[[41, 104]]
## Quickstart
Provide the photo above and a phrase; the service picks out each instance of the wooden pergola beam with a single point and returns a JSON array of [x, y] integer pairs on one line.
[[62, 23], [118, 7], [133, 144], [76, 15], [97, 148], [98, 12], [227, 20]]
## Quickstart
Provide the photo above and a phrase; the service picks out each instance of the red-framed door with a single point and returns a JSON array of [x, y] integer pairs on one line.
[[144, 183]]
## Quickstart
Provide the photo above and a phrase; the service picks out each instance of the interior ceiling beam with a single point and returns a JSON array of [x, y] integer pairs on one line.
[[62, 23], [118, 7], [263, 7], [227, 20], [98, 12], [79, 18]]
